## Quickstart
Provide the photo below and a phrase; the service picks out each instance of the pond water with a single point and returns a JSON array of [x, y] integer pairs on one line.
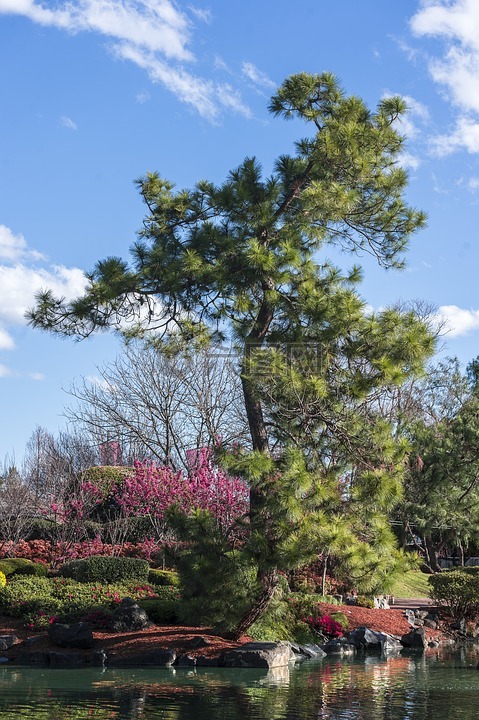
[[442, 686]]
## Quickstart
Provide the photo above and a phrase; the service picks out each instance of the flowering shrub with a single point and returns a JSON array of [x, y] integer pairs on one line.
[[3, 579], [325, 625]]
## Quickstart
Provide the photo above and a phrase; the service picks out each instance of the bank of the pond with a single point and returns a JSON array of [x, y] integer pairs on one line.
[[188, 641]]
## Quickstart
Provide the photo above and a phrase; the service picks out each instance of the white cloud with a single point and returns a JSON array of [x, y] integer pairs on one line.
[[37, 376], [5, 371], [153, 34], [457, 320], [67, 122], [257, 76], [143, 97], [473, 184], [6, 340], [465, 136], [204, 95], [205, 15], [14, 247], [19, 284], [456, 67]]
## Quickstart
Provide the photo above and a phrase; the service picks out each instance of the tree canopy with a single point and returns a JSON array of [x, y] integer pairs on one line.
[[242, 261]]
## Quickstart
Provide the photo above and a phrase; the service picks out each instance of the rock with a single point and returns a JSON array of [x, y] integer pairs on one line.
[[410, 617], [197, 642], [6, 641], [430, 624], [308, 651], [129, 616], [157, 658], [380, 603], [33, 658], [374, 642], [99, 658], [75, 635], [414, 640], [34, 640], [339, 646], [65, 660], [259, 655], [203, 661], [185, 661], [459, 625]]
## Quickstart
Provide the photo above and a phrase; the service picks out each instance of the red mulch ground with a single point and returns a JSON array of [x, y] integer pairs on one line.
[[179, 638]]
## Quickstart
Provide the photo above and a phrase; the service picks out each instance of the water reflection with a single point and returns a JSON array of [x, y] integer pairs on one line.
[[443, 686]]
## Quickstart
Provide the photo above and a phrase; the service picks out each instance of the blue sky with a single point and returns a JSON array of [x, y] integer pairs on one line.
[[95, 93]]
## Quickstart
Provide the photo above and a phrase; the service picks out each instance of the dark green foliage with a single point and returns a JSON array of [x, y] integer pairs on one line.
[[365, 602], [340, 618], [216, 581], [37, 600], [242, 260], [22, 566], [458, 590], [165, 609], [106, 569], [163, 577]]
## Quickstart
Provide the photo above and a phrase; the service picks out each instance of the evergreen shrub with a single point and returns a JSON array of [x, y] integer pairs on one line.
[[164, 609], [3, 579], [163, 577], [22, 566], [458, 590], [106, 569]]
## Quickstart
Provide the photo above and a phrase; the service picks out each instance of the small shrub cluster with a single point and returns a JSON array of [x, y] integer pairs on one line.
[[325, 625], [163, 609], [3, 579], [40, 601], [458, 590], [100, 568], [167, 578], [22, 566]]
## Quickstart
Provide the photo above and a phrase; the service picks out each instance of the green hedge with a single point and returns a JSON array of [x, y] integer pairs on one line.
[[106, 569], [164, 608], [458, 590], [163, 577], [22, 566]]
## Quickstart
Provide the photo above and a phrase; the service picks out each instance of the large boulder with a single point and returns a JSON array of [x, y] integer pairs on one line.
[[129, 616], [414, 640], [156, 658], [75, 635], [259, 655], [7, 641], [371, 641]]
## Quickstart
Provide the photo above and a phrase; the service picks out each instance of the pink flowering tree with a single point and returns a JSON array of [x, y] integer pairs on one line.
[[152, 490]]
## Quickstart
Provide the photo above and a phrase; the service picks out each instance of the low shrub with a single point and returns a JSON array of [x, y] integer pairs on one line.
[[365, 602], [163, 609], [163, 577], [324, 625], [101, 568], [3, 579], [22, 566], [341, 618], [458, 590], [37, 600]]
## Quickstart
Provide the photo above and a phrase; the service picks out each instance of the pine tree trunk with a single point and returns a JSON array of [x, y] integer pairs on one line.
[[268, 582]]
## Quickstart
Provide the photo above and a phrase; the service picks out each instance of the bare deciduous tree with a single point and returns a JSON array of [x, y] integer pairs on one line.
[[159, 405]]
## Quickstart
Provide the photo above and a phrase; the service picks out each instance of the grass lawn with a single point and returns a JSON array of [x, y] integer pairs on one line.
[[412, 584]]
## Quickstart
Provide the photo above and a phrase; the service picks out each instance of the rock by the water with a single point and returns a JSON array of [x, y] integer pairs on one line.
[[6, 641], [75, 635], [65, 660], [33, 658], [129, 616], [414, 640], [99, 658], [157, 658], [308, 651], [339, 646], [259, 655], [185, 661]]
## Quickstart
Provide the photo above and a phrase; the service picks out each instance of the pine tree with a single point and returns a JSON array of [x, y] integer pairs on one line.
[[242, 260]]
